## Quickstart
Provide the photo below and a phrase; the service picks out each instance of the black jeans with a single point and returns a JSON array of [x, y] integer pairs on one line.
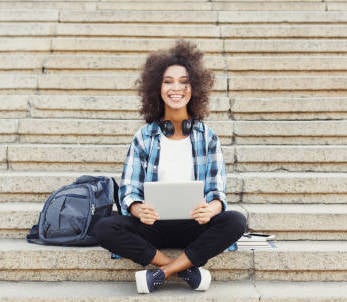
[[130, 238]]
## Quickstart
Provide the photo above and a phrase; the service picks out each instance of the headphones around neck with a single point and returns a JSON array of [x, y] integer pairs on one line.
[[168, 128]]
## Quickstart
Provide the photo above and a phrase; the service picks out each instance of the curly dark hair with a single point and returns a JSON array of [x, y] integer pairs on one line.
[[185, 54]]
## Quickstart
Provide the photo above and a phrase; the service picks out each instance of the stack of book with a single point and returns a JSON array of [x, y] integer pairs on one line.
[[256, 241]]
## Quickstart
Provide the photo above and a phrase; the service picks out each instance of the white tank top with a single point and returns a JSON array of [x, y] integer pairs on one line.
[[176, 160]]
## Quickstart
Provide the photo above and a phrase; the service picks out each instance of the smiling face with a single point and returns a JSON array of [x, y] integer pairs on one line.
[[176, 90]]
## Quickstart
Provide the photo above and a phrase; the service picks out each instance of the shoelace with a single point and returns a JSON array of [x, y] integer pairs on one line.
[[156, 283]]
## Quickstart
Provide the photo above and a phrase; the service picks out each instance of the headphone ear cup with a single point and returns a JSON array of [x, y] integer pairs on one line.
[[187, 127], [167, 128]]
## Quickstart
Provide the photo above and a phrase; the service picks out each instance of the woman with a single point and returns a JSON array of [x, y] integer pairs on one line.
[[174, 145]]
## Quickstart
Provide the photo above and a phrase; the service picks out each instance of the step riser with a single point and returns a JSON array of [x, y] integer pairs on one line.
[[171, 31], [120, 132], [126, 107], [104, 139], [249, 187], [185, 16], [285, 221], [249, 183], [137, 45], [109, 167], [241, 291], [110, 158], [329, 198], [126, 83], [263, 65], [119, 275], [95, 264], [179, 6], [302, 235]]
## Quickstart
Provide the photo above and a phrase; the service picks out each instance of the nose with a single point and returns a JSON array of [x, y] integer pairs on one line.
[[178, 86]]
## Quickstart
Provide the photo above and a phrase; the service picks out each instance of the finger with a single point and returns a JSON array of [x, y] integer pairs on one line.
[[148, 210], [203, 220], [199, 216], [148, 222], [200, 206], [148, 219], [147, 207], [200, 211], [149, 216]]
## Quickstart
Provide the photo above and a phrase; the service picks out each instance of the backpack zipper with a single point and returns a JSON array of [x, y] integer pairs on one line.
[[92, 209]]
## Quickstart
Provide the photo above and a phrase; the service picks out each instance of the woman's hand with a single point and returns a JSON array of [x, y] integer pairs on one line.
[[205, 211], [144, 212]]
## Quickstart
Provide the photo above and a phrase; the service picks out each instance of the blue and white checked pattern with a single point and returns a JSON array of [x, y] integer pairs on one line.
[[141, 163]]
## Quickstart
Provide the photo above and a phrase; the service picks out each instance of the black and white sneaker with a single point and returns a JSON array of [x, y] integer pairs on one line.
[[147, 280], [197, 278]]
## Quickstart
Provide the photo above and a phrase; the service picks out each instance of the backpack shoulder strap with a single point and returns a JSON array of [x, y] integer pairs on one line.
[[115, 194]]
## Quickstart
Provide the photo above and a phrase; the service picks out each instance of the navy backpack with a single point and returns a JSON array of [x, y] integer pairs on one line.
[[69, 213]]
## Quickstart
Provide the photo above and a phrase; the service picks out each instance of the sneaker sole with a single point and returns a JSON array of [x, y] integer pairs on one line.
[[205, 279], [141, 282]]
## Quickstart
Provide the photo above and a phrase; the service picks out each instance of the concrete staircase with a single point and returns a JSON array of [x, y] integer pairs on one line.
[[68, 106]]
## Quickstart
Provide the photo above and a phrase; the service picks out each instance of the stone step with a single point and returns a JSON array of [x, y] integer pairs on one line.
[[263, 82], [127, 107], [280, 188], [13, 29], [281, 108], [185, 16], [45, 29], [138, 45], [110, 158], [289, 261], [291, 188], [256, 187], [124, 82], [54, 63], [116, 16], [283, 45], [286, 221], [298, 222], [256, 15], [84, 131], [88, 62], [290, 132], [242, 291], [65, 82], [108, 131], [91, 107], [99, 45], [272, 158], [175, 6]]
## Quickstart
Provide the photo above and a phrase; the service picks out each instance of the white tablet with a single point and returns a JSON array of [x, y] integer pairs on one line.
[[174, 200]]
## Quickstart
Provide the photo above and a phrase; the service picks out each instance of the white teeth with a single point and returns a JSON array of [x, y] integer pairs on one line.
[[176, 97]]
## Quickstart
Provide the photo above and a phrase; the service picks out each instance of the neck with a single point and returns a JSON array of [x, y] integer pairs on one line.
[[176, 119], [176, 116]]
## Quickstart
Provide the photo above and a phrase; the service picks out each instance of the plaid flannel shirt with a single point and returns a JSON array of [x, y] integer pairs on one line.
[[141, 163]]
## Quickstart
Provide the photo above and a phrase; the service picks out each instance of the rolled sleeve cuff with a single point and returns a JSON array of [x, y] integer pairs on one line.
[[219, 196], [127, 202]]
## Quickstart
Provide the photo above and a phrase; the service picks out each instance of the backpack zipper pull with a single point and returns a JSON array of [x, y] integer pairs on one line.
[[93, 209]]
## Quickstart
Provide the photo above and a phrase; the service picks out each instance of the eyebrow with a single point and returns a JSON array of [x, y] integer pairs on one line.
[[183, 77]]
